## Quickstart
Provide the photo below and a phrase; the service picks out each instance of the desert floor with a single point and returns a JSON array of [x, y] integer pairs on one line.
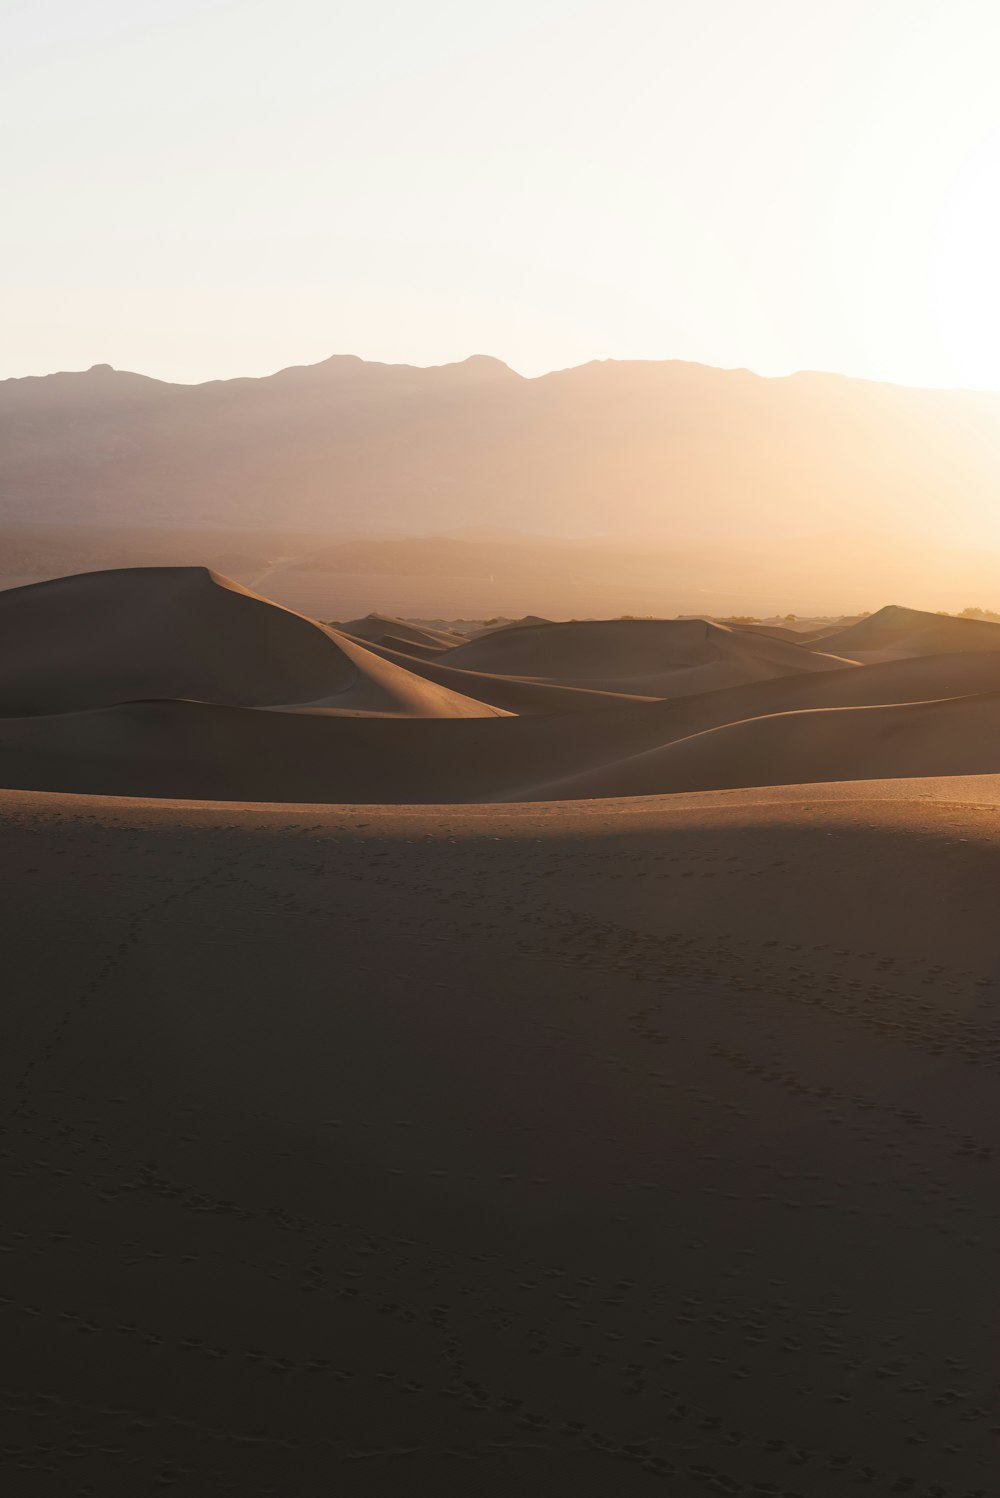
[[590, 1148]]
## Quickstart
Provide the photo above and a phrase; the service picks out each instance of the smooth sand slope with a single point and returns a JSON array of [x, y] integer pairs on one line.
[[656, 657], [383, 629], [177, 683], [516, 694], [185, 632], [383, 686], [827, 726], [612, 1148], [952, 736], [895, 632]]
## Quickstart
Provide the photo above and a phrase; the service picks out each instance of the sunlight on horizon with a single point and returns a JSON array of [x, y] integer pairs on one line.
[[200, 190]]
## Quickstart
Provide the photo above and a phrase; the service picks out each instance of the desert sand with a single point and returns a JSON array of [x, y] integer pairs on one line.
[[638, 1146], [410, 1092], [177, 682]]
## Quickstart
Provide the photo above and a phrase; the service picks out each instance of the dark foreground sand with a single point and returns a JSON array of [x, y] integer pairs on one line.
[[610, 1148]]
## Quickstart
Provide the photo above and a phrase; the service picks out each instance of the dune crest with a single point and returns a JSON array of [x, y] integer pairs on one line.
[[655, 657], [894, 633], [176, 682], [101, 638]]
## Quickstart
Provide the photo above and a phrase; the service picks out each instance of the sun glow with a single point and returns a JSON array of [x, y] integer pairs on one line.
[[965, 268], [785, 184]]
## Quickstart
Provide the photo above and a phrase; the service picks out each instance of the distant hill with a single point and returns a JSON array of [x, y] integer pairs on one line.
[[670, 450]]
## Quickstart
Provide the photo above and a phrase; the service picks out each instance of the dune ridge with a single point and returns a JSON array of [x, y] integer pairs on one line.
[[661, 657], [894, 632], [380, 629], [101, 638], [178, 683]]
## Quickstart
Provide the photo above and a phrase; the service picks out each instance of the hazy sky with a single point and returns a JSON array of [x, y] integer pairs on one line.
[[196, 188]]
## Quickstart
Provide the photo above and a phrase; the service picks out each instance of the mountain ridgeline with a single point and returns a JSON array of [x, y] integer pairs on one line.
[[667, 449]]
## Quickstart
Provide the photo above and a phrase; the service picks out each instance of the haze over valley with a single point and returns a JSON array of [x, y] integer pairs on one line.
[[468, 491]]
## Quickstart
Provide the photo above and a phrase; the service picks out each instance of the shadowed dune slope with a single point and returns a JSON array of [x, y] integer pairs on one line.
[[795, 729], [895, 632], [654, 657], [201, 751], [769, 632], [515, 694], [959, 736], [176, 682], [907, 680], [620, 1148], [185, 632]]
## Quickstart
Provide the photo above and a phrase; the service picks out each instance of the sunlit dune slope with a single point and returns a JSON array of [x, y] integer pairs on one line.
[[383, 628], [409, 648], [895, 632], [101, 638], [390, 686]]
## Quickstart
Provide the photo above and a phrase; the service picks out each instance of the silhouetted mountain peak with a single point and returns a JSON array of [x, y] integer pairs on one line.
[[622, 449], [477, 368]]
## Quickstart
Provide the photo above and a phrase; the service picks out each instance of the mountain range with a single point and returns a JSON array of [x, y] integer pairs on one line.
[[669, 451]]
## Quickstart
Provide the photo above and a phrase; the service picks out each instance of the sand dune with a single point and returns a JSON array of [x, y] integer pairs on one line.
[[185, 632], [409, 648], [619, 1148], [383, 628], [959, 736], [203, 751], [515, 694], [771, 632], [104, 637], [895, 632], [907, 680], [637, 1141], [659, 657], [825, 726], [384, 685], [175, 682]]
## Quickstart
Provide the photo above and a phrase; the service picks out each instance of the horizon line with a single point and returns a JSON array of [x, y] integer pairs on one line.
[[477, 358]]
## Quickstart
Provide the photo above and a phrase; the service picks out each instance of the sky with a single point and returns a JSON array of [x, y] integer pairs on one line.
[[208, 188]]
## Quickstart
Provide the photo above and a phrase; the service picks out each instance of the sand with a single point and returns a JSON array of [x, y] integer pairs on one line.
[[101, 638], [661, 657], [914, 717], [652, 1153], [380, 629], [894, 632], [466, 1078]]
